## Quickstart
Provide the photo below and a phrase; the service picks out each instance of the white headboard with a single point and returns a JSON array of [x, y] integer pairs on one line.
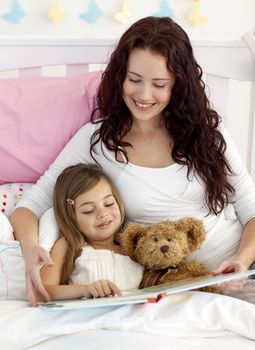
[[224, 63]]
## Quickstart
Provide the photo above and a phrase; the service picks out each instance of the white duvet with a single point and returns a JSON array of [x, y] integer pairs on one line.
[[186, 315], [190, 315]]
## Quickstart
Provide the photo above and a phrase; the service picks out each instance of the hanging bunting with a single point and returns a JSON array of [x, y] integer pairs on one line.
[[16, 13], [55, 13], [195, 17], [165, 10], [92, 14], [124, 14]]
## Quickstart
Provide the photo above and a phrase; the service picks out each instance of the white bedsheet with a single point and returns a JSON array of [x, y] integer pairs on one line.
[[191, 315], [124, 340], [180, 322]]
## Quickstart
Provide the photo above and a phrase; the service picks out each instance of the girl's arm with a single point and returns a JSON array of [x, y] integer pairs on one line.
[[51, 276]]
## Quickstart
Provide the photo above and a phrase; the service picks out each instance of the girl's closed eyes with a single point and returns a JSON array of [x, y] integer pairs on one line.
[[90, 211]]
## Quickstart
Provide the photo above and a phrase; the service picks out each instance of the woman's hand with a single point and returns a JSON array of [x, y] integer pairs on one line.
[[34, 259], [227, 267], [101, 288]]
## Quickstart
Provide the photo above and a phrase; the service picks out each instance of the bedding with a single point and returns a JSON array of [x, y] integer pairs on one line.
[[186, 316], [40, 115], [10, 194], [114, 340]]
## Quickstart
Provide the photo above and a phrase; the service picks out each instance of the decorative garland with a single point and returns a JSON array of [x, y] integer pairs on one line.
[[93, 12]]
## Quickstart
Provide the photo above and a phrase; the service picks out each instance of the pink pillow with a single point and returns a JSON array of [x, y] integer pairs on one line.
[[38, 116]]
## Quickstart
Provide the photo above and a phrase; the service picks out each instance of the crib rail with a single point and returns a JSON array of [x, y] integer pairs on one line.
[[27, 54]]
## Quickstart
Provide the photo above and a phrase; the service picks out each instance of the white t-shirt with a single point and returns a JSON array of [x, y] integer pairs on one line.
[[96, 264], [154, 194]]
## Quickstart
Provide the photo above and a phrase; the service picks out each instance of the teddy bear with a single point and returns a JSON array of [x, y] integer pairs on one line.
[[163, 248]]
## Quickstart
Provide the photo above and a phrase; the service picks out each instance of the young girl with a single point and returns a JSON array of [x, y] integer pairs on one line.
[[87, 257]]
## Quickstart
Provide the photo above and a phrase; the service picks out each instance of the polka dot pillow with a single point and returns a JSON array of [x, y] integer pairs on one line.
[[10, 194]]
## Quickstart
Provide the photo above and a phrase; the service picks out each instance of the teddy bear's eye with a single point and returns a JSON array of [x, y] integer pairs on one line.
[[169, 239], [155, 239]]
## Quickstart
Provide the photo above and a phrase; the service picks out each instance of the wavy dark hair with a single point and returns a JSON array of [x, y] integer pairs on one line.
[[191, 122], [72, 182]]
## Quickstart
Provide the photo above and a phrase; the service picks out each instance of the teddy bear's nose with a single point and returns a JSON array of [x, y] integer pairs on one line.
[[164, 248]]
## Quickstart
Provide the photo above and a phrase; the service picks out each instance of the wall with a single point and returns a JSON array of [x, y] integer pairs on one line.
[[227, 19]]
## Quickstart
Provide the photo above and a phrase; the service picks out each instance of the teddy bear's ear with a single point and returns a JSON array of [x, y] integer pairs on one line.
[[129, 238], [195, 231]]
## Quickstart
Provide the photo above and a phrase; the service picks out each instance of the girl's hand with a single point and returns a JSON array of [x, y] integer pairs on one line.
[[227, 267], [101, 288], [34, 259]]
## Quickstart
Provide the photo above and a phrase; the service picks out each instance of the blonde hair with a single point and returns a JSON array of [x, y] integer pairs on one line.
[[72, 182]]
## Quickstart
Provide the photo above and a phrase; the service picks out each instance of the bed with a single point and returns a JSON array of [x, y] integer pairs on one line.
[[53, 82]]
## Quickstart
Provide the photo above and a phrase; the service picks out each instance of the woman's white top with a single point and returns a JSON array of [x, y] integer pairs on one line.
[[97, 264], [154, 194]]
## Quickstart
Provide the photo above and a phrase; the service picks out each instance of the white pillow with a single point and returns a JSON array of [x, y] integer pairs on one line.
[[6, 231], [48, 230], [12, 268], [12, 272]]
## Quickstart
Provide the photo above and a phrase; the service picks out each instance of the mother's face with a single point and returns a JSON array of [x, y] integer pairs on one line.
[[148, 84]]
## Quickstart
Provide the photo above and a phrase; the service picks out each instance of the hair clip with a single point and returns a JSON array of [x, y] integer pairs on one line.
[[70, 201]]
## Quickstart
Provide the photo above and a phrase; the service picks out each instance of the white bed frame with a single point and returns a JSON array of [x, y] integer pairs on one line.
[[222, 62]]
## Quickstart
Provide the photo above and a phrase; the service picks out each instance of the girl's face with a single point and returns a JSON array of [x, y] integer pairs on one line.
[[148, 84], [98, 214]]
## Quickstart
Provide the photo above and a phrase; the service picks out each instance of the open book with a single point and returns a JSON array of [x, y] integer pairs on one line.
[[145, 295]]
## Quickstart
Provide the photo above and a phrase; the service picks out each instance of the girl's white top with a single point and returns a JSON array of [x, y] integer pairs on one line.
[[97, 264], [154, 194]]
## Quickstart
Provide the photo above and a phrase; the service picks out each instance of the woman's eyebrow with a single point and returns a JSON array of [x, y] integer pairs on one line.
[[135, 73], [140, 76]]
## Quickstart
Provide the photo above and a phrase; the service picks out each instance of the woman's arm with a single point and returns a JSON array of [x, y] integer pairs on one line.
[[244, 205], [25, 226], [246, 252], [242, 260], [51, 276]]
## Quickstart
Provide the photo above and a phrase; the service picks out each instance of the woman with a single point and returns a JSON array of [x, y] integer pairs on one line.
[[164, 148]]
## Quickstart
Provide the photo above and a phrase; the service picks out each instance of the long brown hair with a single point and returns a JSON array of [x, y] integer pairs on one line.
[[191, 122], [72, 182]]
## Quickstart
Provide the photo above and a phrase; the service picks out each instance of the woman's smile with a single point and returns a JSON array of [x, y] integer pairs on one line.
[[143, 106], [148, 84]]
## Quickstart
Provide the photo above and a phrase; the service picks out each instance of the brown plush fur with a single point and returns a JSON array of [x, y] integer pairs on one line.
[[163, 248]]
